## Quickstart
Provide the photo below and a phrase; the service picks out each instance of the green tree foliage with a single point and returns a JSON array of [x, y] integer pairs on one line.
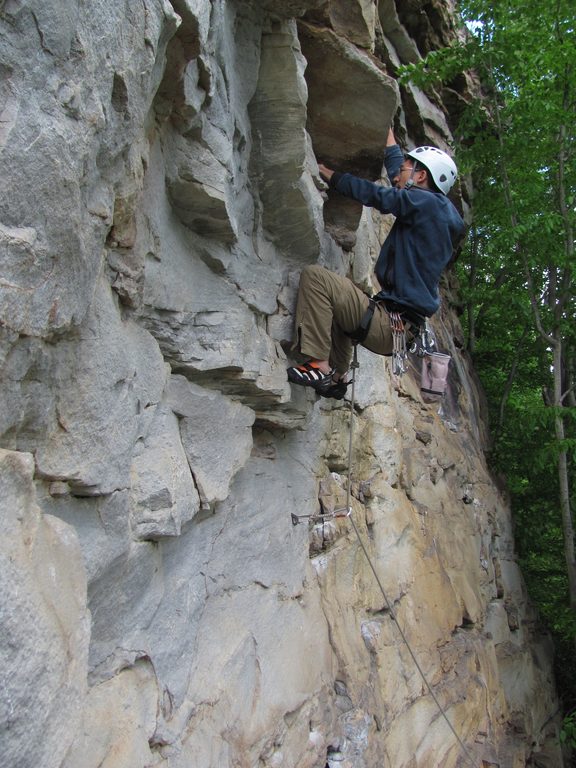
[[518, 143]]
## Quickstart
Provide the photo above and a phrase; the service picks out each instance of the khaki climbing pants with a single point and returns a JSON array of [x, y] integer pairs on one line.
[[329, 306]]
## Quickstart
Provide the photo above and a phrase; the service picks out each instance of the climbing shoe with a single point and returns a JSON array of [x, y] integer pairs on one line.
[[309, 375]]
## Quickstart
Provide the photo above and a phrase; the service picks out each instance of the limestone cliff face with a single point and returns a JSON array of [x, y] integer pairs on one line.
[[159, 196]]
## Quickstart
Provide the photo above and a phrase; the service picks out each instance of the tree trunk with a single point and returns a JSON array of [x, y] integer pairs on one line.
[[470, 309], [564, 484]]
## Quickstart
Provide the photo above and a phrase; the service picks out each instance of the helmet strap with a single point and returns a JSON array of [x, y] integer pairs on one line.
[[416, 167], [410, 181]]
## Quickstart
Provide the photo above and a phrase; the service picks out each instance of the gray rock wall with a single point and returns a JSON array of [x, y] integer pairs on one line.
[[160, 195]]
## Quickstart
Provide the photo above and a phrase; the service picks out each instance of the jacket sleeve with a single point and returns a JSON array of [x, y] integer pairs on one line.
[[384, 199], [393, 159]]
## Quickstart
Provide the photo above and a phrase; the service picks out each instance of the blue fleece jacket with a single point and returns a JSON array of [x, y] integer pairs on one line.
[[421, 242]]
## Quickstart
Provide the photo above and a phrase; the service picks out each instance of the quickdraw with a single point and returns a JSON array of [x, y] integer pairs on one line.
[[424, 343], [399, 351], [322, 516]]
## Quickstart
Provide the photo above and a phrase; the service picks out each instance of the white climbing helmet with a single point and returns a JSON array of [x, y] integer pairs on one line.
[[441, 166]]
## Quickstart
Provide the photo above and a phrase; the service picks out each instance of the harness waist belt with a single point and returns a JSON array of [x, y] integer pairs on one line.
[[409, 315]]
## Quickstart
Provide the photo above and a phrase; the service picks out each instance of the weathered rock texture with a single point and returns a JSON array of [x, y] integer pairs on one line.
[[159, 196]]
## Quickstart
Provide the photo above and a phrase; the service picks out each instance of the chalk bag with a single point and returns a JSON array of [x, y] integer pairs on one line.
[[435, 373]]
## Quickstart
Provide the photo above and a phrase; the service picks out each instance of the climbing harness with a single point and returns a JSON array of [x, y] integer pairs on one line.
[[359, 334], [347, 512], [402, 322]]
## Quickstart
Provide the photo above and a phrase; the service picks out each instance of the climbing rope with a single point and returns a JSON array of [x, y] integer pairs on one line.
[[389, 605], [355, 365], [407, 644]]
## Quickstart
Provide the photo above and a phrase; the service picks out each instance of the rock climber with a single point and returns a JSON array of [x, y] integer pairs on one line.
[[332, 313]]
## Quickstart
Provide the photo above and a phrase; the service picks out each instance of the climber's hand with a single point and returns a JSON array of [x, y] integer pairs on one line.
[[325, 172]]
